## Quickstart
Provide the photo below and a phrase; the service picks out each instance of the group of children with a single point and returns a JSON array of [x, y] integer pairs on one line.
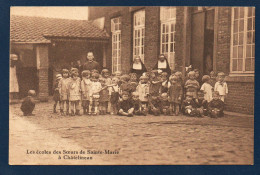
[[154, 92]]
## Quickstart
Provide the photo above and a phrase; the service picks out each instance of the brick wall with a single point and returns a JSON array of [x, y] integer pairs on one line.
[[223, 39]]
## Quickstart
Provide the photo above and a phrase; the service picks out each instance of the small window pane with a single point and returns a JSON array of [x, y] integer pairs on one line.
[[253, 37], [253, 51], [236, 13], [241, 38], [253, 64], [167, 28], [248, 64], [166, 47], [253, 23], [249, 37], [240, 52], [249, 24], [249, 11], [248, 51], [171, 47], [235, 39], [241, 25], [235, 26], [234, 65], [234, 52], [167, 38], [171, 37], [241, 12], [240, 65]]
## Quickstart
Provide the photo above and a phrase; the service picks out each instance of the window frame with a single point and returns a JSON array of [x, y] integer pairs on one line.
[[168, 21], [245, 31], [141, 29], [116, 34]]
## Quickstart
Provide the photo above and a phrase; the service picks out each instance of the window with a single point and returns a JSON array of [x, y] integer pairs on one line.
[[167, 45], [243, 40], [116, 44], [138, 34]]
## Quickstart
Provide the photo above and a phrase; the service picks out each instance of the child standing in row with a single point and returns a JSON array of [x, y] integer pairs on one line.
[[56, 94], [85, 89], [221, 86], [175, 95], [64, 91], [94, 93]]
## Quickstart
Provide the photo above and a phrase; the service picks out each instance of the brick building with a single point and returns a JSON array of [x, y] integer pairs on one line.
[[208, 38], [46, 45]]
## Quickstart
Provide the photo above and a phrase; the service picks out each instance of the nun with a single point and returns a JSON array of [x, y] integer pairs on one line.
[[138, 67], [162, 64]]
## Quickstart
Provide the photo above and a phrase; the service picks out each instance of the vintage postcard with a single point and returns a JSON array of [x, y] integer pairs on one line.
[[132, 85]]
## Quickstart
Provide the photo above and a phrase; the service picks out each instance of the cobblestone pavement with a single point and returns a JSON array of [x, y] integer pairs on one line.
[[137, 140]]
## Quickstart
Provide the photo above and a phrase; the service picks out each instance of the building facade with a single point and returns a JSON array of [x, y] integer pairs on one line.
[[208, 38]]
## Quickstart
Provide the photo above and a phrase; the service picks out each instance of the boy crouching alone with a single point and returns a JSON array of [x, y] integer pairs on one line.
[[28, 104], [216, 106], [126, 107]]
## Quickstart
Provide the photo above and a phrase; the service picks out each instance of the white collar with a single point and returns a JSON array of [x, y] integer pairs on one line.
[[137, 66], [162, 65]]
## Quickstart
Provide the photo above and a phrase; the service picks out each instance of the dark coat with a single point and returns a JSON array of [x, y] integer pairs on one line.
[[91, 65], [27, 105]]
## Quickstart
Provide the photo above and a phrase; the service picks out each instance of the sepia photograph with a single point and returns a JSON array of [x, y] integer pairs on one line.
[[131, 85]]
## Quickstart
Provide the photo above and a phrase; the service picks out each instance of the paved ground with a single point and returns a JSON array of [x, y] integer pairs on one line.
[[137, 140]]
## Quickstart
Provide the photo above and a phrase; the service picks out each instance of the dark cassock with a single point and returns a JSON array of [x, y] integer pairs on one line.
[[90, 65], [163, 65], [138, 67]]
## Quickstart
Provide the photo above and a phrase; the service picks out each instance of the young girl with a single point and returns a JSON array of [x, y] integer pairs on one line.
[[192, 85], [63, 90], [85, 89], [165, 83], [221, 86], [175, 95], [94, 93], [108, 81], [212, 80], [206, 88], [104, 97], [114, 95], [56, 94], [74, 92], [143, 90], [155, 83], [189, 106]]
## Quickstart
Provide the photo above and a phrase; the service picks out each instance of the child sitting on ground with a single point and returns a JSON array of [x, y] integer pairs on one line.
[[85, 89], [28, 104], [216, 106], [206, 88], [56, 94], [165, 105], [154, 104], [189, 106], [221, 86], [138, 109], [126, 107], [202, 104]]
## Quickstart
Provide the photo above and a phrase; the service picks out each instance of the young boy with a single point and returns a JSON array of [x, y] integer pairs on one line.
[[56, 94], [221, 86], [126, 107], [154, 104], [143, 90], [175, 94], [94, 95], [28, 104], [104, 97], [189, 106], [138, 110], [202, 104], [192, 85], [85, 89], [74, 92], [206, 88], [165, 104], [114, 95], [216, 106], [63, 90]]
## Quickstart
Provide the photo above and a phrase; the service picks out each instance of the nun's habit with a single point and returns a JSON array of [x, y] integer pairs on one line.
[[164, 66], [138, 68]]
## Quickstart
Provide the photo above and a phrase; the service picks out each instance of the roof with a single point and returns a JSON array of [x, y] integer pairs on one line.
[[40, 29]]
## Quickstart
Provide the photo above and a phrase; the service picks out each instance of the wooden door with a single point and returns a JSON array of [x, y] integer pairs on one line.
[[197, 41]]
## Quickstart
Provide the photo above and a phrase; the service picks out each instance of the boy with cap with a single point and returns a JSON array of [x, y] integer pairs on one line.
[[56, 94], [28, 104]]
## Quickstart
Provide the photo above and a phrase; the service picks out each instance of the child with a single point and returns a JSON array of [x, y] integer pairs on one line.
[[165, 83], [154, 104], [94, 93], [63, 90], [179, 76], [104, 97], [221, 86], [155, 83], [165, 105], [175, 95], [216, 106], [108, 81], [197, 75], [206, 88], [114, 95], [212, 80], [74, 92], [56, 94], [126, 107], [28, 104], [192, 85], [143, 90], [138, 109], [85, 89], [202, 104], [133, 77], [124, 86], [189, 106]]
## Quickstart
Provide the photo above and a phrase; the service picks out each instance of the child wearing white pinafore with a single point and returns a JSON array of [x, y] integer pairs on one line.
[[207, 88]]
